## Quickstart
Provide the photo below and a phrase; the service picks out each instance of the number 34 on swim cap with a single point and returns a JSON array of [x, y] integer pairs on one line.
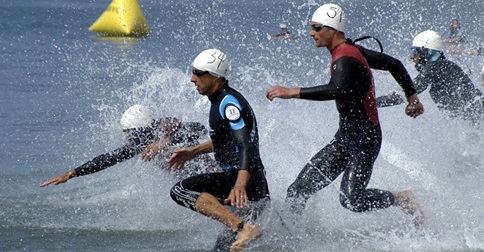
[[213, 61], [331, 15]]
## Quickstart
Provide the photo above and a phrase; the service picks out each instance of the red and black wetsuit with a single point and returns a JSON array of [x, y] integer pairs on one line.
[[357, 142]]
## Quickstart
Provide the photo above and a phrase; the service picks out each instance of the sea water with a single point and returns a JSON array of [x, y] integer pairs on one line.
[[63, 90]]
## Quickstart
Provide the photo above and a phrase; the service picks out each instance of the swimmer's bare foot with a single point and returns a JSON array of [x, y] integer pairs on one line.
[[409, 204], [247, 234]]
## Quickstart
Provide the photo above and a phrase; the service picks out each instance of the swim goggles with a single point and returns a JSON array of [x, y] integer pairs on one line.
[[319, 27], [199, 73]]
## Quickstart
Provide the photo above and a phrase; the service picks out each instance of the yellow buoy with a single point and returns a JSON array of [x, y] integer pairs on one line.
[[122, 18]]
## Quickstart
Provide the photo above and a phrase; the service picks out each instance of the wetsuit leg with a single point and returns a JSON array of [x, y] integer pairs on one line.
[[187, 191], [356, 177], [322, 169]]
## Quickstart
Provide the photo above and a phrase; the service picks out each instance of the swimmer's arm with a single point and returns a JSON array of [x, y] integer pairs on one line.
[[203, 148], [180, 156], [106, 160], [60, 179], [154, 149], [97, 164], [385, 62], [238, 194]]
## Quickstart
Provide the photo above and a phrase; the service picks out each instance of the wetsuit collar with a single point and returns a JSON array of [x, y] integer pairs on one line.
[[214, 96], [338, 45]]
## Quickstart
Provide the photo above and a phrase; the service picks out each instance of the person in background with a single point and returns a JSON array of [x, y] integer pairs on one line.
[[284, 34], [456, 35], [235, 142], [143, 136], [358, 140], [449, 86], [457, 38]]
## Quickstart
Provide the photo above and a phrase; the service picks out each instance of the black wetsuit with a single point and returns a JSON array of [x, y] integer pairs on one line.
[[450, 88], [234, 134], [357, 142], [179, 133]]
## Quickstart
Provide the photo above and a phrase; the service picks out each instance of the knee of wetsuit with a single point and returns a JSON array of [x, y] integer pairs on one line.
[[173, 193], [177, 193], [183, 197]]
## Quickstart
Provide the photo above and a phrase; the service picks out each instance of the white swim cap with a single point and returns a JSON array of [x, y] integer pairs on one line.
[[214, 61], [482, 71], [282, 26], [428, 39], [136, 116], [330, 15]]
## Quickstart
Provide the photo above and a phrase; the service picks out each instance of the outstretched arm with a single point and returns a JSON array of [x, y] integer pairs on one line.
[[282, 92], [97, 164], [180, 156], [104, 161], [60, 179]]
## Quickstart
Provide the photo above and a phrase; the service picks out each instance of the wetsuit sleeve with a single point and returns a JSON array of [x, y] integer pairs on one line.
[[420, 84], [396, 99], [106, 160], [340, 80], [232, 111], [389, 100], [385, 62], [242, 139]]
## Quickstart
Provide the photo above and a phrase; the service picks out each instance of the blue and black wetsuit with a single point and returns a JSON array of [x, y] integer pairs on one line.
[[234, 134], [357, 142], [179, 133]]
